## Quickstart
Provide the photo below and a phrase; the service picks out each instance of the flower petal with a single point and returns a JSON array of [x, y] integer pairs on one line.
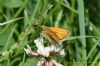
[[62, 52], [46, 51], [39, 42], [56, 63], [30, 52]]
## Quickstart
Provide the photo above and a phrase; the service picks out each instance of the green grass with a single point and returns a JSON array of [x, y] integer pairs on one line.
[[18, 18]]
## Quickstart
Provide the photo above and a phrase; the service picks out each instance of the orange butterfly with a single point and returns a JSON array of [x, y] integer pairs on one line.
[[55, 34]]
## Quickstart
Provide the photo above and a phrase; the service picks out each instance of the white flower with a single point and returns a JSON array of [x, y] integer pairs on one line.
[[52, 48], [45, 51], [62, 52], [39, 42], [41, 49], [30, 52], [56, 47]]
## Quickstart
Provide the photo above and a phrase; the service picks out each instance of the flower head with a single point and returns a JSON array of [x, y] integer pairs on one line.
[[52, 49]]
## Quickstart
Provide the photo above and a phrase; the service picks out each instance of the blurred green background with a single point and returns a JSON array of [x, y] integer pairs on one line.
[[20, 22]]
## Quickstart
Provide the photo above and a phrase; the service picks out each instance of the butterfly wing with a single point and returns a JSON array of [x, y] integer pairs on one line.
[[56, 34], [50, 35], [61, 32]]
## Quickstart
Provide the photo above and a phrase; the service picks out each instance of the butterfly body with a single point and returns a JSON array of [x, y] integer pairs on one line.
[[55, 34]]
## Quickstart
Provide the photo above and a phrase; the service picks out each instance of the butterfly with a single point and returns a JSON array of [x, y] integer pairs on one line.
[[55, 34]]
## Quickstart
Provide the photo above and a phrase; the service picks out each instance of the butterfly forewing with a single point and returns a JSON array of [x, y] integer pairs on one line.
[[60, 32], [56, 34]]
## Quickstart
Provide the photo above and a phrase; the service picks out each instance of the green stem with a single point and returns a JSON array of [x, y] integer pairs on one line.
[[82, 27]]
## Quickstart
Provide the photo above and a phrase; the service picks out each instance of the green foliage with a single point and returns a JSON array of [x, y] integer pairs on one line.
[[21, 21]]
